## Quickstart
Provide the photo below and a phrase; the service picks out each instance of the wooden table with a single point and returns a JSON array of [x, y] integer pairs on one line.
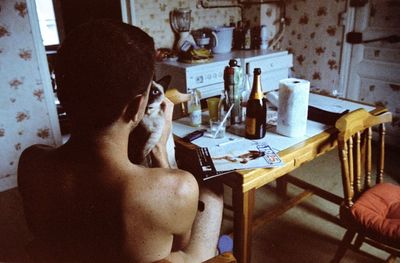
[[245, 183]]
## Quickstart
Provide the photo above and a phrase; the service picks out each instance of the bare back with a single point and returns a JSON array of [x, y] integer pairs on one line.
[[101, 208]]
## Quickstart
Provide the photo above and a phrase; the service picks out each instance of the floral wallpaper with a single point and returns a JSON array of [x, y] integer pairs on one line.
[[314, 36], [265, 14], [24, 114], [153, 17]]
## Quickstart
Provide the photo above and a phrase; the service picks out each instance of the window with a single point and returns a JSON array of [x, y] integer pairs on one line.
[[47, 22]]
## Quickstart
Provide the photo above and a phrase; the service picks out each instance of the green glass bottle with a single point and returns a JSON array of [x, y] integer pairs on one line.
[[256, 110]]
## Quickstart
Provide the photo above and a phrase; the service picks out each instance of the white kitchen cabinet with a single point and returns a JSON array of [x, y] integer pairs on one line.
[[274, 67]]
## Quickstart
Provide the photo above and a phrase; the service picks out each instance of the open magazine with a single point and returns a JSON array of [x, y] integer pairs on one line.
[[242, 155]]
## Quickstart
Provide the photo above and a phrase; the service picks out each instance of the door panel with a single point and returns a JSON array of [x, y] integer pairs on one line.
[[382, 54], [374, 75], [376, 90]]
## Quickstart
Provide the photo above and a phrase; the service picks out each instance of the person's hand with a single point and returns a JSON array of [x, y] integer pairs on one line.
[[168, 108], [159, 152]]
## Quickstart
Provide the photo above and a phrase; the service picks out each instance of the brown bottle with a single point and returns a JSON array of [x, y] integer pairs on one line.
[[256, 110]]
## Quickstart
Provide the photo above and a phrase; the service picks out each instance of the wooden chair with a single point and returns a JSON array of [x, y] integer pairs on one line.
[[180, 100], [226, 257], [370, 209]]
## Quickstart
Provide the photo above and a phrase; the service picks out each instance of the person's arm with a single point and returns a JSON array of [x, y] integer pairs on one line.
[[182, 212], [200, 243], [181, 241], [159, 153], [159, 205], [206, 227]]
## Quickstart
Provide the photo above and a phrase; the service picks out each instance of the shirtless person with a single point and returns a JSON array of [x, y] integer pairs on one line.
[[85, 201]]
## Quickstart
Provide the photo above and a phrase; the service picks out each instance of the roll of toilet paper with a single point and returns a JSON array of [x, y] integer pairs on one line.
[[293, 107]]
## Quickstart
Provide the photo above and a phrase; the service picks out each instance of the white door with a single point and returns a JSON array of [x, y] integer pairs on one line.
[[374, 72]]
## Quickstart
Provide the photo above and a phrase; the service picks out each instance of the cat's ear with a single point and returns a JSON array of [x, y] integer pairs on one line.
[[164, 82]]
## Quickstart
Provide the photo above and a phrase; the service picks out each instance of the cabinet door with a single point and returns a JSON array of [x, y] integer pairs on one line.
[[273, 69]]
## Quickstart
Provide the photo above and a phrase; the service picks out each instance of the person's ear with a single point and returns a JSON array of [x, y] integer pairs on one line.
[[134, 108]]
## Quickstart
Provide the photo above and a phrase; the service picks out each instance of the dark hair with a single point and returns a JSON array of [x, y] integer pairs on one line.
[[100, 67]]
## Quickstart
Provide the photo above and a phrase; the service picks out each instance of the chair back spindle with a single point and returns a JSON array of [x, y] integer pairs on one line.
[[381, 153], [368, 156], [357, 163], [355, 144], [345, 156]]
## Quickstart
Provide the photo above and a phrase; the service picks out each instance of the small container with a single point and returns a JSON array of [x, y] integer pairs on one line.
[[263, 37], [214, 128], [212, 105], [247, 36], [233, 77], [244, 97], [195, 108]]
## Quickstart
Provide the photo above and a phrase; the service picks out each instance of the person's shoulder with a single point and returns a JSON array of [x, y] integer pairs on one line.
[[172, 188], [181, 181], [36, 150], [170, 196], [31, 158]]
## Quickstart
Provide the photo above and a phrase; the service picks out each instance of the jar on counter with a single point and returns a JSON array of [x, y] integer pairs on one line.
[[195, 108]]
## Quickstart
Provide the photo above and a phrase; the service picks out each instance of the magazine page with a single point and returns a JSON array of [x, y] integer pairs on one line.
[[243, 155]]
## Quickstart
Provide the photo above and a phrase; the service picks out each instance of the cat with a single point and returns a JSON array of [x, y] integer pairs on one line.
[[148, 133]]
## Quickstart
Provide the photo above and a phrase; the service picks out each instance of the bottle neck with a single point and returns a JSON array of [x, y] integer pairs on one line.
[[195, 98], [256, 91]]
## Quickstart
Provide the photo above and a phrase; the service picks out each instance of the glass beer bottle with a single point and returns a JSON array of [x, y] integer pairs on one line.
[[195, 108], [255, 112]]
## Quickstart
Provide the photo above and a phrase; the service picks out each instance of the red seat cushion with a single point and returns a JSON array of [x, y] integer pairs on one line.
[[378, 211]]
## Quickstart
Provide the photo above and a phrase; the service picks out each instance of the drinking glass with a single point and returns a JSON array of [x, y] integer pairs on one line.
[[214, 127], [212, 105]]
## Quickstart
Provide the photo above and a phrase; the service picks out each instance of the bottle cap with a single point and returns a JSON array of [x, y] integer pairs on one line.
[[257, 71], [233, 63]]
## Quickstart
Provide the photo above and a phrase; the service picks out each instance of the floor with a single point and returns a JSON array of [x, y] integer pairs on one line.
[[306, 233]]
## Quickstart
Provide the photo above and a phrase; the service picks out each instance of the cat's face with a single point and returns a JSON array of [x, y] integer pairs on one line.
[[157, 90]]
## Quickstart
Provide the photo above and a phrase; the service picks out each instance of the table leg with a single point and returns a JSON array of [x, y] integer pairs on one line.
[[281, 186], [243, 204]]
